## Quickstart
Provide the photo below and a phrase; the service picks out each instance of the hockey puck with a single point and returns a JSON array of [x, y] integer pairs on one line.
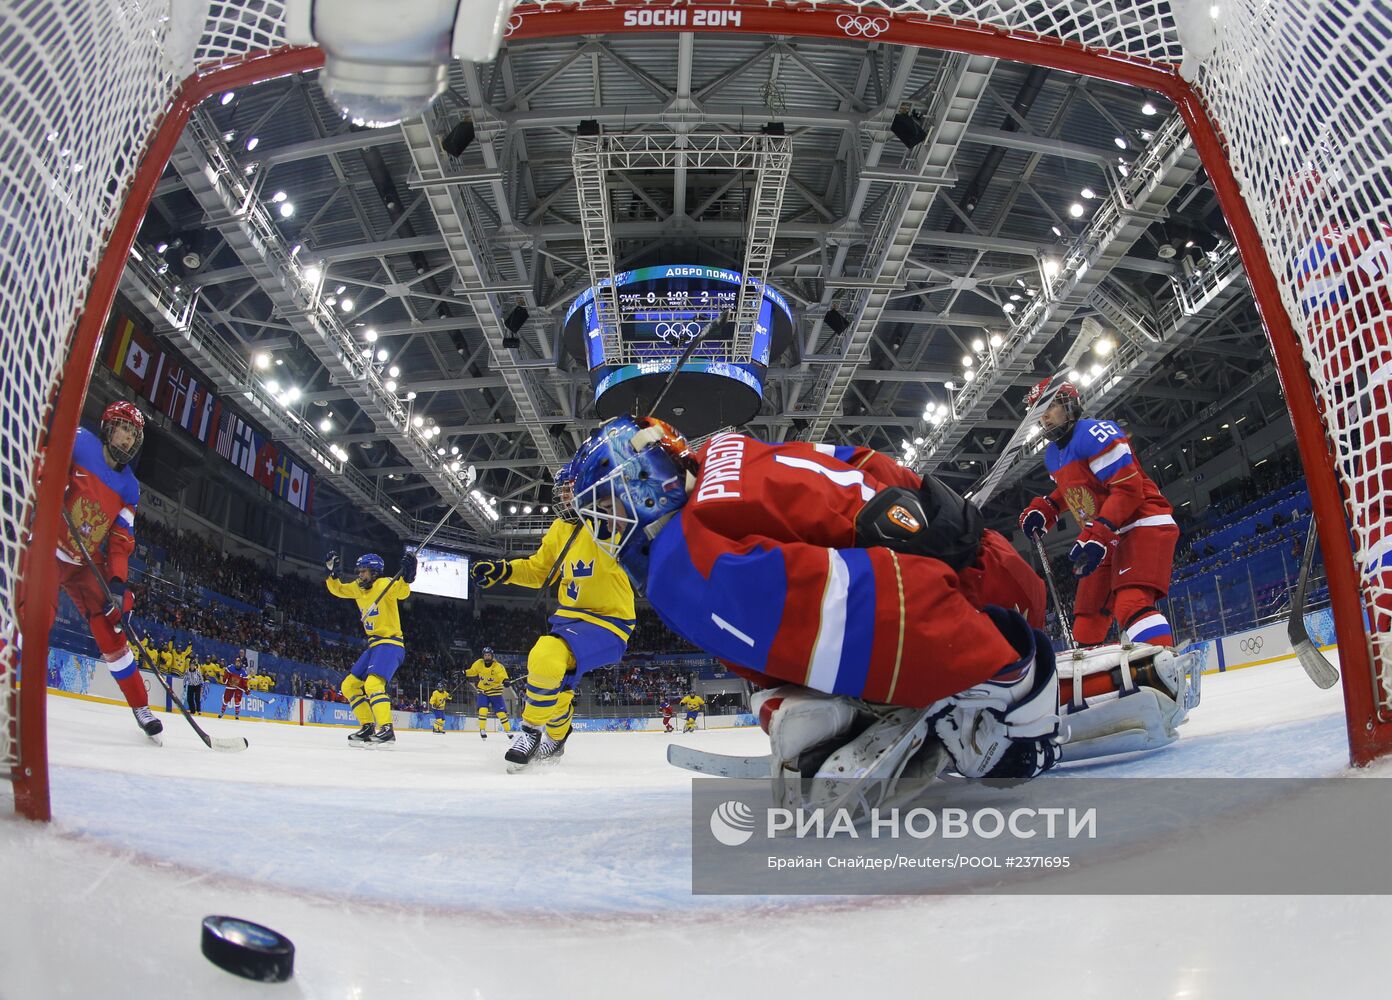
[[248, 950]]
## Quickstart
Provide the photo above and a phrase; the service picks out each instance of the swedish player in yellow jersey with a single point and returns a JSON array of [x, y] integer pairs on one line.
[[694, 704], [438, 699], [365, 687], [589, 630], [489, 676]]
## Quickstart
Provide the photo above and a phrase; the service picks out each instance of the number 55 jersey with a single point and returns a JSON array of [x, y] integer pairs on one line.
[[761, 567], [1097, 474]]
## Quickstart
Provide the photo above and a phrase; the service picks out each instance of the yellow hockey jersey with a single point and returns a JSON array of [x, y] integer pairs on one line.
[[438, 699], [592, 586], [384, 623], [490, 676], [693, 703]]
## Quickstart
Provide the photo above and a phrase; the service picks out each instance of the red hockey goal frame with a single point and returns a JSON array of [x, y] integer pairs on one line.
[[901, 23]]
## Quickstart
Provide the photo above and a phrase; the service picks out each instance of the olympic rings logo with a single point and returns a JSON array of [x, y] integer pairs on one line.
[[1252, 645], [513, 24], [678, 331], [856, 26]]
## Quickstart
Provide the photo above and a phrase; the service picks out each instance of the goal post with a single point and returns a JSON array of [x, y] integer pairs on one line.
[[1271, 91]]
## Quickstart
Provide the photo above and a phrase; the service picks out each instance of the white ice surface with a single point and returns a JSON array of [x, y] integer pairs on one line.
[[427, 871]]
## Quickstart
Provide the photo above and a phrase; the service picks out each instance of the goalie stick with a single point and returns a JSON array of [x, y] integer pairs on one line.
[[719, 765], [1319, 669], [227, 744]]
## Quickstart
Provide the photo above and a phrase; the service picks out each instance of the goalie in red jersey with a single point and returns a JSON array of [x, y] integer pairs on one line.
[[877, 599]]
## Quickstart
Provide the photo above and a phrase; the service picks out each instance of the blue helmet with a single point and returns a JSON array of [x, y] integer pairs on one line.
[[563, 493], [371, 561], [629, 474], [487, 650]]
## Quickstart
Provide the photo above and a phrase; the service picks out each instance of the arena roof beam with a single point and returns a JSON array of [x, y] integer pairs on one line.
[[231, 206], [1128, 210], [464, 240], [963, 81]]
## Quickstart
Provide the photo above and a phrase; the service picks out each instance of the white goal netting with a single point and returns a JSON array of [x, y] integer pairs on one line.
[[1300, 93]]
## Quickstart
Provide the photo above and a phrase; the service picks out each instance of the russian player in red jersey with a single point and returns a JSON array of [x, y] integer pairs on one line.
[[1125, 548], [234, 680], [834, 570], [101, 498]]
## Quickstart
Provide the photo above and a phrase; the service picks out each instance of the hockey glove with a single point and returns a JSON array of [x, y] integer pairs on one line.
[[331, 563], [1095, 542], [487, 572], [408, 567], [1041, 515], [121, 602]]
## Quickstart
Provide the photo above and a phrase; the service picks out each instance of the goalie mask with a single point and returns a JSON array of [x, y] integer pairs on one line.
[[630, 474], [117, 416], [1064, 394]]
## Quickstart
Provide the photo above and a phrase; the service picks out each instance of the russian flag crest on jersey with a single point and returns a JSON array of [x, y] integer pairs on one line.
[[1097, 456]]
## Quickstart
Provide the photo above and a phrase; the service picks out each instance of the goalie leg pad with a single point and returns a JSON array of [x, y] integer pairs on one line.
[[1149, 692]]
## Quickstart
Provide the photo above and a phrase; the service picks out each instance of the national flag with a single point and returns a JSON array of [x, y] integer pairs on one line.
[[192, 398], [226, 432], [265, 465], [300, 487], [206, 420], [150, 389], [245, 445], [169, 394], [282, 478]]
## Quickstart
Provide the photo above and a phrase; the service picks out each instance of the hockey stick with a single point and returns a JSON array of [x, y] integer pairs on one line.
[[547, 580], [228, 744], [1319, 669], [685, 357], [469, 477], [1053, 592]]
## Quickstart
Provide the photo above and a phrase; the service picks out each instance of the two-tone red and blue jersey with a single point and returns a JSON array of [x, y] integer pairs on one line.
[[102, 503], [1097, 474], [761, 568]]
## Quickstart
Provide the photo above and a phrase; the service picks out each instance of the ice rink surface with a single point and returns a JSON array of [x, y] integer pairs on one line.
[[428, 871]]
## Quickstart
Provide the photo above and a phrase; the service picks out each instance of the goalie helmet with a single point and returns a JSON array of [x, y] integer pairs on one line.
[[1065, 394], [128, 414], [631, 473]]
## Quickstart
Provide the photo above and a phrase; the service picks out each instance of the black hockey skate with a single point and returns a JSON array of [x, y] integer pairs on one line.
[[385, 737], [151, 726], [552, 748], [524, 748], [363, 737]]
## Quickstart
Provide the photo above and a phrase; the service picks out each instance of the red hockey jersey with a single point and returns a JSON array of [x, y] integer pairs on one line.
[[102, 502], [1098, 475], [761, 568]]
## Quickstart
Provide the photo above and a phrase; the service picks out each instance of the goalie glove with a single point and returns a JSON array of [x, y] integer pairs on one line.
[[1007, 727], [487, 572], [1041, 515], [1095, 542]]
